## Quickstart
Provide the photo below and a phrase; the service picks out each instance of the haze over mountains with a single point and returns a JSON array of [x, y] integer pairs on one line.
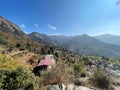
[[81, 44], [11, 35], [49, 45], [108, 38]]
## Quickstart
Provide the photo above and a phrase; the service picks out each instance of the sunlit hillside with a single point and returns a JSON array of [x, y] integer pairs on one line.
[[59, 45]]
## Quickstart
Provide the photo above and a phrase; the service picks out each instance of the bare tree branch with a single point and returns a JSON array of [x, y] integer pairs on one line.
[[118, 2]]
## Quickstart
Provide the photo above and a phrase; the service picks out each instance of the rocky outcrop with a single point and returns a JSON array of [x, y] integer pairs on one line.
[[57, 87], [81, 88], [68, 87]]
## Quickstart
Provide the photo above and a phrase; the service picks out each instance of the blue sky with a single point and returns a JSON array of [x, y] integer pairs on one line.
[[67, 17]]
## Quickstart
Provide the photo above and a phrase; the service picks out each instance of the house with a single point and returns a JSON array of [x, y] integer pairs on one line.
[[45, 63], [50, 57]]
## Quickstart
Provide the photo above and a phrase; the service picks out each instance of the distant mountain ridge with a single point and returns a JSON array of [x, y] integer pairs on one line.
[[85, 45], [12, 36], [41, 38], [108, 38]]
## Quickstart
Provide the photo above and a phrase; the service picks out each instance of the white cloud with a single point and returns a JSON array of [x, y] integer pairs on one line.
[[57, 34], [22, 26], [27, 32], [52, 27], [36, 25]]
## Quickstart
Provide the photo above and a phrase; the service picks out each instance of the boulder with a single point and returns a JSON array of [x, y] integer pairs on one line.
[[81, 88], [70, 86], [53, 87], [57, 87]]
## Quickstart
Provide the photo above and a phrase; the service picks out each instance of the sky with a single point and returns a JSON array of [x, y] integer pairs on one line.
[[66, 17]]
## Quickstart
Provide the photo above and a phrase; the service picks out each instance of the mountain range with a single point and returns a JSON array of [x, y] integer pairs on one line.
[[81, 44], [12, 38], [108, 38], [103, 45]]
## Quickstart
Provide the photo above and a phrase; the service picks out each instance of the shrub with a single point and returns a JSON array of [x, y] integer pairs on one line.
[[77, 82], [3, 41], [17, 79], [83, 74], [7, 62], [78, 67], [101, 79], [14, 75], [58, 75], [18, 45]]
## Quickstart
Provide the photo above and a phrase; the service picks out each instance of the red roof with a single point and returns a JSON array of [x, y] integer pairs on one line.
[[45, 62]]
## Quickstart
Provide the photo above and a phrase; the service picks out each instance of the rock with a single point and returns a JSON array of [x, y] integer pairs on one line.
[[63, 87], [70, 86], [81, 88], [53, 87], [57, 87], [116, 82]]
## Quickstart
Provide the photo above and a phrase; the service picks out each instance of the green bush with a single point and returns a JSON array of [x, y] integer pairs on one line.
[[78, 67], [3, 41], [17, 79]]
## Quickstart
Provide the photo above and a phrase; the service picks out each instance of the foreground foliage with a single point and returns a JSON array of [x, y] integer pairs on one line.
[[14, 76], [16, 79]]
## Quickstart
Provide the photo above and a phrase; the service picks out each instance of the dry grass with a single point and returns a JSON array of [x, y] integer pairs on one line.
[[58, 75], [101, 79], [116, 87]]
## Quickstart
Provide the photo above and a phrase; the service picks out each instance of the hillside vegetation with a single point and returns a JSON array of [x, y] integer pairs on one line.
[[19, 55]]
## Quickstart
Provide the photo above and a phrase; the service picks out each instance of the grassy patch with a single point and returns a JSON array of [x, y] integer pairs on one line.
[[101, 79]]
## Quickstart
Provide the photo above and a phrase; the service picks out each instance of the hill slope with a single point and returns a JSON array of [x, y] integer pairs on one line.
[[11, 36], [41, 38], [8, 27]]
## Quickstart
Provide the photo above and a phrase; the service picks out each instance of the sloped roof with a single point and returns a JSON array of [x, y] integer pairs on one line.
[[45, 61]]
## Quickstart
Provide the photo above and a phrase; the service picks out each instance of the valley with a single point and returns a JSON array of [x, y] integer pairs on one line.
[[81, 62]]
